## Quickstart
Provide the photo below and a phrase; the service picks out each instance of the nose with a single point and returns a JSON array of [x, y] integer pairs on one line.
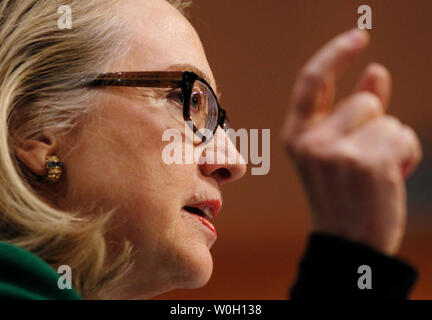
[[221, 160]]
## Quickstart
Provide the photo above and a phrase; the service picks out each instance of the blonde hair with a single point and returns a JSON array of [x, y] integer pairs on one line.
[[40, 90]]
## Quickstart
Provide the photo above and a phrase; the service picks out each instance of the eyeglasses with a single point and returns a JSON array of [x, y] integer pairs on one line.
[[201, 109]]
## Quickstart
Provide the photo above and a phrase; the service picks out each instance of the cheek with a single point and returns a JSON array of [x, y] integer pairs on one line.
[[120, 148], [119, 161]]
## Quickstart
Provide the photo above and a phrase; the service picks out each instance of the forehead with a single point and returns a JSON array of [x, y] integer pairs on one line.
[[162, 39]]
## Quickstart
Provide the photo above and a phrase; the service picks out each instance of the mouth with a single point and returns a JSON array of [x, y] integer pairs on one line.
[[199, 212], [205, 211]]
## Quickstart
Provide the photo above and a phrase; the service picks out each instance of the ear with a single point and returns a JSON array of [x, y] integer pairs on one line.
[[33, 152]]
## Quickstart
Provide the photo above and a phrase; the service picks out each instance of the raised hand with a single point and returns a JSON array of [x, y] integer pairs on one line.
[[353, 158]]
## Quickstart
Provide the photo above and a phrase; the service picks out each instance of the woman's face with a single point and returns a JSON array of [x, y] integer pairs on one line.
[[118, 160]]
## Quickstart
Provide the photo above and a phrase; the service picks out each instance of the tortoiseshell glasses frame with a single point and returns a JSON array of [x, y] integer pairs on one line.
[[215, 114]]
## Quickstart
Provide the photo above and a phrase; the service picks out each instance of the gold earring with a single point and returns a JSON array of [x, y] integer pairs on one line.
[[54, 167]]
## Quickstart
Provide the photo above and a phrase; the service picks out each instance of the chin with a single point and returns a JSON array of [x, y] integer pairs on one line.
[[196, 266], [198, 269]]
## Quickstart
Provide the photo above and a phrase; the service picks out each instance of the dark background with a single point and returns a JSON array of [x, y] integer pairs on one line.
[[256, 48]]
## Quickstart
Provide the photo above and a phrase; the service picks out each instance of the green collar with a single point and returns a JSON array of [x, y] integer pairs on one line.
[[23, 275]]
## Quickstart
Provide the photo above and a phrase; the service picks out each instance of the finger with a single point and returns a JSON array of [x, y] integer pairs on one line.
[[315, 87], [412, 151], [377, 80], [386, 138], [353, 112]]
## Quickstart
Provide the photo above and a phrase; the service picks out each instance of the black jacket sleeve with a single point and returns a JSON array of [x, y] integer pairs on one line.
[[330, 269]]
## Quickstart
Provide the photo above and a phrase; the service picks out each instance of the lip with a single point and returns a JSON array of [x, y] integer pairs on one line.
[[211, 209], [204, 222], [208, 224], [215, 206]]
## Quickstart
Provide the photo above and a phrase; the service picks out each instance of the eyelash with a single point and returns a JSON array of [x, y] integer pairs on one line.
[[175, 94], [162, 94], [176, 97]]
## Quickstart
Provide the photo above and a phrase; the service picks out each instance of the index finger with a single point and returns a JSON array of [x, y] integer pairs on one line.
[[314, 89]]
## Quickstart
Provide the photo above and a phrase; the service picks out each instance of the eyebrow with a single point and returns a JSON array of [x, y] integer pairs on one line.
[[192, 68]]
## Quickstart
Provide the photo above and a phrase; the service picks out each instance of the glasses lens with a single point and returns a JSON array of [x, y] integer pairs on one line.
[[203, 109]]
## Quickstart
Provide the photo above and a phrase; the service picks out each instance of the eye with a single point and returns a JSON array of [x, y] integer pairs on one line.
[[196, 101], [176, 96]]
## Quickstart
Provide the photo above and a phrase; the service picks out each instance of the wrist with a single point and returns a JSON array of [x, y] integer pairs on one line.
[[375, 241]]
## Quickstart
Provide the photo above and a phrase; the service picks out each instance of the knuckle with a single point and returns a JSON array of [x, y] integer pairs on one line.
[[343, 154], [354, 159], [412, 140], [407, 134], [371, 103], [311, 145], [310, 77], [410, 134], [393, 121], [347, 156], [390, 122]]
